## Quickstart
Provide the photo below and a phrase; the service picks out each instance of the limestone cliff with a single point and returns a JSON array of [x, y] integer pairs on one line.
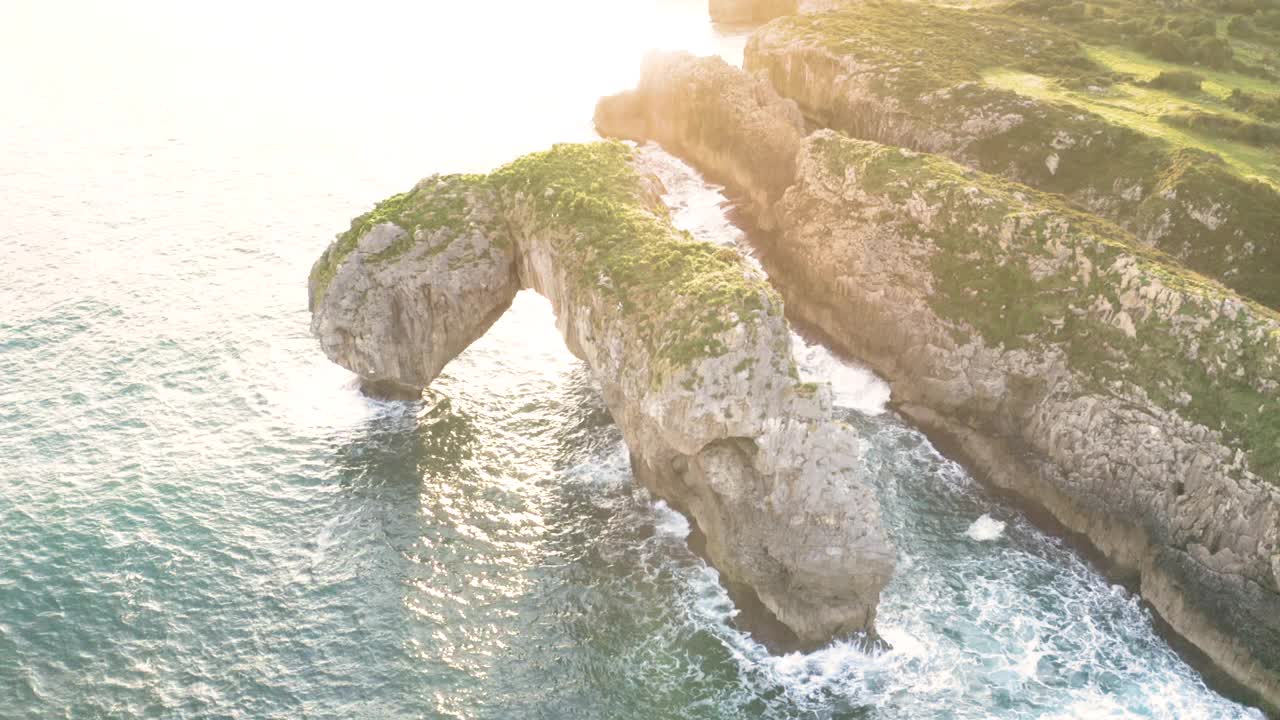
[[911, 74], [705, 106], [688, 343], [1134, 400]]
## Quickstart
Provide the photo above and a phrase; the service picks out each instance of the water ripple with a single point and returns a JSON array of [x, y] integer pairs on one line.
[[203, 519]]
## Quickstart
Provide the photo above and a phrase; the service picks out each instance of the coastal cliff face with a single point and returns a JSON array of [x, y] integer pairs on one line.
[[749, 11], [912, 75], [705, 105], [687, 341], [1134, 400], [371, 308]]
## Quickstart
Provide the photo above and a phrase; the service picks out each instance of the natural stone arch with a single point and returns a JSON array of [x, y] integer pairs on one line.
[[687, 341]]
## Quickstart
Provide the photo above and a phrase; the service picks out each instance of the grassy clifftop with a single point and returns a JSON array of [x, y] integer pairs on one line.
[[679, 295], [1182, 155], [1025, 271], [440, 202]]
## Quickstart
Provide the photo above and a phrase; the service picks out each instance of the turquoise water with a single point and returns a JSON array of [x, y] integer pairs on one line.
[[203, 519]]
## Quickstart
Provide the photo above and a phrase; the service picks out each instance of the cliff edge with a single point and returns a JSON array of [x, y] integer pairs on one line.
[[1134, 400]]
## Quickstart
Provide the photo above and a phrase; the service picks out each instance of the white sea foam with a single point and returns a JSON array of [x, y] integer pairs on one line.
[[607, 470], [696, 205], [853, 386], [985, 529], [668, 521]]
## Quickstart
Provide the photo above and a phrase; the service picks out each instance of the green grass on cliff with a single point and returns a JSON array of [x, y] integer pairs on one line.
[[1154, 112], [999, 270], [1229, 35], [436, 203], [679, 293], [922, 47], [1192, 172]]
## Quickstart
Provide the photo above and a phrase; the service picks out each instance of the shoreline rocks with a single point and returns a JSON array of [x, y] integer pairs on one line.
[[750, 11], [703, 106], [1136, 402], [687, 341]]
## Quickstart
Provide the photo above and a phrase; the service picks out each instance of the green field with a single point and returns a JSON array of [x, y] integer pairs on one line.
[[1134, 104]]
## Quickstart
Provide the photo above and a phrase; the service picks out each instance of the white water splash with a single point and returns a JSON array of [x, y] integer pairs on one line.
[[853, 386], [985, 529], [696, 205]]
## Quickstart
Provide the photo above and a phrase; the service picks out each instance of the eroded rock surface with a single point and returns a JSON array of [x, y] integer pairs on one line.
[[687, 341], [1134, 400], [374, 311], [749, 11]]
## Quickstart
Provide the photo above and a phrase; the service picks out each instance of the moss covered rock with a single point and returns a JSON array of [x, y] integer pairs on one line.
[[1135, 400]]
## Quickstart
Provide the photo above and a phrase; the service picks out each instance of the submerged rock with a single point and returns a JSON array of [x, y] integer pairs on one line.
[[687, 341], [1134, 400]]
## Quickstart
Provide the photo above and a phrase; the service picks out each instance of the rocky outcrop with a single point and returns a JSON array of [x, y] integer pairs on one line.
[[706, 107], [1135, 401], [908, 74], [371, 306], [687, 341]]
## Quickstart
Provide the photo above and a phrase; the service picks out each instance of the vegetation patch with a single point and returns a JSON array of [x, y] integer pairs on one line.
[[1235, 35], [1008, 266], [1251, 132], [1142, 109], [925, 47], [1114, 125], [1177, 80], [1266, 107], [679, 294]]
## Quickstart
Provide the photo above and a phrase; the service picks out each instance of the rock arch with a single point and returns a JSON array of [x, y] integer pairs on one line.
[[688, 342]]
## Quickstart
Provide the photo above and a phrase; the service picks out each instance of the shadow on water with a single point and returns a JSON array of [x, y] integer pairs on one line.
[[536, 581], [406, 443]]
